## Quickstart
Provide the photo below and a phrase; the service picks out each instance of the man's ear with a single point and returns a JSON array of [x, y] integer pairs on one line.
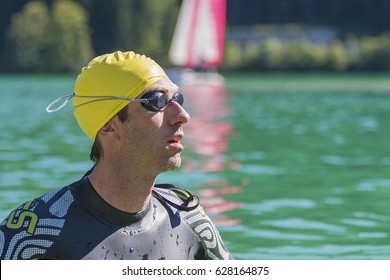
[[110, 129]]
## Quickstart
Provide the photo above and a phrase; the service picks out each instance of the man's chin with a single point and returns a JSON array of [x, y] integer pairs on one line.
[[174, 163]]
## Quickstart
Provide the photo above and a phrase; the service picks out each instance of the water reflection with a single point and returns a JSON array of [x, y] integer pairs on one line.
[[215, 203], [208, 132], [207, 136]]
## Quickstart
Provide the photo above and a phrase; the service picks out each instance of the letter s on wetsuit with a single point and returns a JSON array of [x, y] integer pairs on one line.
[[76, 223]]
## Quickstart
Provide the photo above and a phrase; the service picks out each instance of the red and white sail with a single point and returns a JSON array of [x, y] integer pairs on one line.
[[199, 37]]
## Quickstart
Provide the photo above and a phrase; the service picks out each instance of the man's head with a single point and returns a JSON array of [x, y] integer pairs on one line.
[[118, 74], [142, 133]]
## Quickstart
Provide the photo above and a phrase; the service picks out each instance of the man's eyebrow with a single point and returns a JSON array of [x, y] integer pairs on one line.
[[160, 89]]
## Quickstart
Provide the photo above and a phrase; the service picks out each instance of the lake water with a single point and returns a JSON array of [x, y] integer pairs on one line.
[[289, 166]]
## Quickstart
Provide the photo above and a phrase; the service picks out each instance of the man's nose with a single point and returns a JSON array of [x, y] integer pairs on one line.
[[179, 114]]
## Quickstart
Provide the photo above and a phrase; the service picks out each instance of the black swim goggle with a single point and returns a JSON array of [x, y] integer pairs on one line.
[[152, 101]]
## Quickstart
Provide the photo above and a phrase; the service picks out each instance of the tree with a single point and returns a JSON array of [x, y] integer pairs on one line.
[[44, 39], [27, 35], [156, 30], [144, 26], [71, 41]]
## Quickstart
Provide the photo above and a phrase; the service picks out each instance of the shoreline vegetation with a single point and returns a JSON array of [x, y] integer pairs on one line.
[[371, 53], [61, 38]]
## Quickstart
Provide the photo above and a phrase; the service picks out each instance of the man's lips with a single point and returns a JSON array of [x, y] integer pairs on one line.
[[176, 138]]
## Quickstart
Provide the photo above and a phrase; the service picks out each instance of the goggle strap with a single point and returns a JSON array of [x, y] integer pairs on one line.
[[66, 99]]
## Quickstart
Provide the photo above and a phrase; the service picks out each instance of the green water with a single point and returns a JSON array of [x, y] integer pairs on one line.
[[289, 166]]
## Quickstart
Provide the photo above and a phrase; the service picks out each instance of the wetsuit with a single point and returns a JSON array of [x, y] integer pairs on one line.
[[76, 223]]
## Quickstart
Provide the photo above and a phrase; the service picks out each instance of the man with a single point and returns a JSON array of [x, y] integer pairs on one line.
[[133, 113]]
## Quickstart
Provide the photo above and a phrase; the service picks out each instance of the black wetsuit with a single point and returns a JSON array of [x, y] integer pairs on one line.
[[76, 223]]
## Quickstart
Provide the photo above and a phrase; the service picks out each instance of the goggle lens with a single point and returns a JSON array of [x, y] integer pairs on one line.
[[156, 101]]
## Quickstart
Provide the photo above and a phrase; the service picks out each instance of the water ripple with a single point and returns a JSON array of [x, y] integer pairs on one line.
[[372, 216], [359, 222], [373, 235], [339, 160], [329, 251], [273, 205], [276, 235], [298, 223], [261, 169], [373, 185]]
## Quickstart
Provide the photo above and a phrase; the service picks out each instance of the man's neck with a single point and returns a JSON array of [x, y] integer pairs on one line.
[[123, 189]]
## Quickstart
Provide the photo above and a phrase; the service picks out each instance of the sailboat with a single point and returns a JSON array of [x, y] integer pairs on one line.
[[198, 41]]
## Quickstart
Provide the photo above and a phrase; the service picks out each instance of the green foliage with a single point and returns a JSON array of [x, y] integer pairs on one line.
[[49, 39], [142, 26], [233, 55], [58, 38], [28, 35], [375, 53], [367, 53], [158, 26], [71, 42], [145, 26], [64, 35]]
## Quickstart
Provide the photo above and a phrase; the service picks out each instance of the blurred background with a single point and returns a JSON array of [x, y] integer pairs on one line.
[[304, 35], [288, 146]]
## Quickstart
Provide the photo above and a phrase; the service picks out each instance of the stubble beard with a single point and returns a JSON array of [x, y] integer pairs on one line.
[[173, 163]]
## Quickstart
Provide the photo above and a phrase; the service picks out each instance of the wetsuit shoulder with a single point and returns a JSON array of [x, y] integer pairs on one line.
[[30, 230], [178, 198], [195, 218]]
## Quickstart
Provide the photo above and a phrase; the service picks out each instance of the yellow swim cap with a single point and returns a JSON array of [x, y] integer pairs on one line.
[[121, 74]]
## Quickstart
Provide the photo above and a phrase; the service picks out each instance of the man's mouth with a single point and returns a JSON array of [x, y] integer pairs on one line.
[[176, 138]]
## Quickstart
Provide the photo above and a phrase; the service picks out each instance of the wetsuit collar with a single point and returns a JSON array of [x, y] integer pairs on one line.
[[94, 203]]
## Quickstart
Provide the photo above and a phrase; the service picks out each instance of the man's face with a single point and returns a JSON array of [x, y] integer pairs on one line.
[[152, 140]]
